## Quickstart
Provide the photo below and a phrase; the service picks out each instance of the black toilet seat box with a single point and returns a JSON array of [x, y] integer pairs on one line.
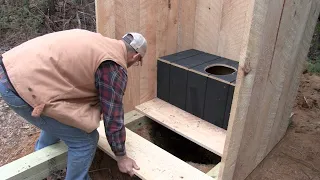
[[185, 80], [163, 72]]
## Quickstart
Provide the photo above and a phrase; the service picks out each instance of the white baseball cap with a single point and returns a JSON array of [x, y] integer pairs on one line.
[[138, 43]]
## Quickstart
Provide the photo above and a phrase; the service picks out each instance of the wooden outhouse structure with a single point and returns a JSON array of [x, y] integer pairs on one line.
[[269, 39]]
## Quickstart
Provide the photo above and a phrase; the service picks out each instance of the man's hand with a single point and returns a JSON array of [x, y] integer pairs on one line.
[[126, 165]]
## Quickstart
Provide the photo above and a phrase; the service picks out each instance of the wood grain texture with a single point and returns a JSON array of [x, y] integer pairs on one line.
[[232, 27], [159, 24], [162, 27], [167, 27], [303, 51], [37, 165], [114, 19], [207, 25], [120, 18], [283, 64], [240, 103], [157, 20], [265, 96], [186, 24], [133, 115], [148, 27], [154, 162], [271, 59], [187, 125], [242, 143], [129, 18], [105, 17], [299, 20], [255, 124]]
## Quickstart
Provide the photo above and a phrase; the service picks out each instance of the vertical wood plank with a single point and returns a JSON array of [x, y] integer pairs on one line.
[[131, 14], [283, 63], [241, 100], [167, 27], [120, 18], [148, 27], [187, 14], [207, 25], [271, 12], [114, 19], [233, 22], [172, 34], [105, 17], [295, 81], [162, 27], [264, 97], [157, 20], [244, 124], [303, 15]]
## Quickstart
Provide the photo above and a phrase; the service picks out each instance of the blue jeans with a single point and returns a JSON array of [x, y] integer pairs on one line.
[[81, 145]]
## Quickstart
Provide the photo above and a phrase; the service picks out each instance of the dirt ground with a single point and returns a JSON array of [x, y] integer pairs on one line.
[[17, 137], [297, 156]]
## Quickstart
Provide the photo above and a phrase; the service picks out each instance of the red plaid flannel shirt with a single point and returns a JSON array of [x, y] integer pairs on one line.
[[111, 81]]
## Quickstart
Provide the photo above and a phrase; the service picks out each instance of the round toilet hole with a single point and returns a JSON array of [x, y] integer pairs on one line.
[[220, 70]]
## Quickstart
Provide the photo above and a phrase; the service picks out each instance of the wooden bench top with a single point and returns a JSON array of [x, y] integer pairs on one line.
[[187, 125]]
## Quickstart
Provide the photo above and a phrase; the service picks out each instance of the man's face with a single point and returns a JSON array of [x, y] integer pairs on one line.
[[134, 59]]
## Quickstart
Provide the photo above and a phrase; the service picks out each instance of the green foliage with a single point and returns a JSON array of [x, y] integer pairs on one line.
[[314, 52], [314, 67]]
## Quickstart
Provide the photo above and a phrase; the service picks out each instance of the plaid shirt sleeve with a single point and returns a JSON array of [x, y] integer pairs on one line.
[[111, 81]]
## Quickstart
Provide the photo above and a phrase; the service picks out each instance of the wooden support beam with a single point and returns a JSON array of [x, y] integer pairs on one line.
[[189, 126], [37, 165]]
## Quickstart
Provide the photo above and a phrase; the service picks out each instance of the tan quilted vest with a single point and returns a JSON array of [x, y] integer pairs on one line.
[[55, 73]]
